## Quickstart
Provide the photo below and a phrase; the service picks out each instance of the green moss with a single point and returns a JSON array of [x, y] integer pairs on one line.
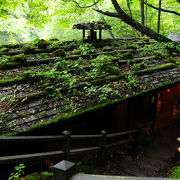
[[34, 96], [2, 50], [19, 58], [97, 107], [128, 55], [75, 51], [170, 60], [59, 52], [112, 70], [108, 79], [34, 176], [16, 80], [158, 68], [42, 44], [11, 65], [107, 48], [29, 74]]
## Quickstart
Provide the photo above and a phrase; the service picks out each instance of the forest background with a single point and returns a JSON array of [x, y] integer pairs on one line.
[[31, 20]]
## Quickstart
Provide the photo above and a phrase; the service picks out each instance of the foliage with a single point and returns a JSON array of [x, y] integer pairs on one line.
[[28, 20], [3, 60], [100, 65], [132, 83], [158, 48], [18, 172], [86, 49], [174, 172]]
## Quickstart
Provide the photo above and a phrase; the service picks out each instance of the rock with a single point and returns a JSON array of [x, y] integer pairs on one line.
[[59, 52], [35, 176]]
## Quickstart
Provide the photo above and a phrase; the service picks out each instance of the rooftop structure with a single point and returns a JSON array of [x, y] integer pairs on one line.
[[92, 27], [49, 82]]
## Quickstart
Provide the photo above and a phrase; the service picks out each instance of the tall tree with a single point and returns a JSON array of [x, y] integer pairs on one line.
[[135, 24], [159, 17]]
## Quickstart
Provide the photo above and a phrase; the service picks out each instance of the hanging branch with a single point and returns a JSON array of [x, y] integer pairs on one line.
[[85, 6], [168, 11], [128, 4]]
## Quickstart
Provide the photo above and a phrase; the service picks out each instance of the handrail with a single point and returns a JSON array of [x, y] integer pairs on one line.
[[67, 151], [30, 157], [79, 137], [121, 133], [30, 138], [47, 138]]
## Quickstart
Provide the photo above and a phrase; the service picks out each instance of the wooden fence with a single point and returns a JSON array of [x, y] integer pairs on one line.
[[66, 138]]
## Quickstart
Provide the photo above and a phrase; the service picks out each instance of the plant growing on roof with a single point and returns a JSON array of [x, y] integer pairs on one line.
[[3, 60], [86, 49], [132, 83], [100, 65]]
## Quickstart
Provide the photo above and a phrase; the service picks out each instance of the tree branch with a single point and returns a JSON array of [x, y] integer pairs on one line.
[[168, 11], [85, 6], [107, 13], [145, 30]]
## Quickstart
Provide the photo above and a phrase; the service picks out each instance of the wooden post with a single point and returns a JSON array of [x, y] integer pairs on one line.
[[100, 34], [154, 102], [103, 143], [135, 144], [64, 170], [66, 134], [84, 34]]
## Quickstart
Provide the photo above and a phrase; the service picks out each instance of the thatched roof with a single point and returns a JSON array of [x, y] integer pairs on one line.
[[50, 81]]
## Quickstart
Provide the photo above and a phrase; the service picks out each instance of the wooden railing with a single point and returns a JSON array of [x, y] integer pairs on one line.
[[66, 138]]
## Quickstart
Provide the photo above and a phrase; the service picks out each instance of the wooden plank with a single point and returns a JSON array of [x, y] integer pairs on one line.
[[84, 150], [119, 143], [93, 136], [30, 157], [121, 133], [29, 138]]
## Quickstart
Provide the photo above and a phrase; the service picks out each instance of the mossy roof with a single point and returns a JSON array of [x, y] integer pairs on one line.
[[50, 81]]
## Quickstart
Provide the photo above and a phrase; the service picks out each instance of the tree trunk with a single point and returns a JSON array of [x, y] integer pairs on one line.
[[145, 30], [146, 13], [142, 12], [159, 17]]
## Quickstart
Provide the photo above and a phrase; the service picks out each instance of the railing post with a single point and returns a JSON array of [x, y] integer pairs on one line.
[[103, 143], [135, 144], [66, 134], [64, 170]]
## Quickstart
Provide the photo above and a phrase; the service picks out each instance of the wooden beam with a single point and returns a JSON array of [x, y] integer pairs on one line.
[[30, 157], [29, 138]]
